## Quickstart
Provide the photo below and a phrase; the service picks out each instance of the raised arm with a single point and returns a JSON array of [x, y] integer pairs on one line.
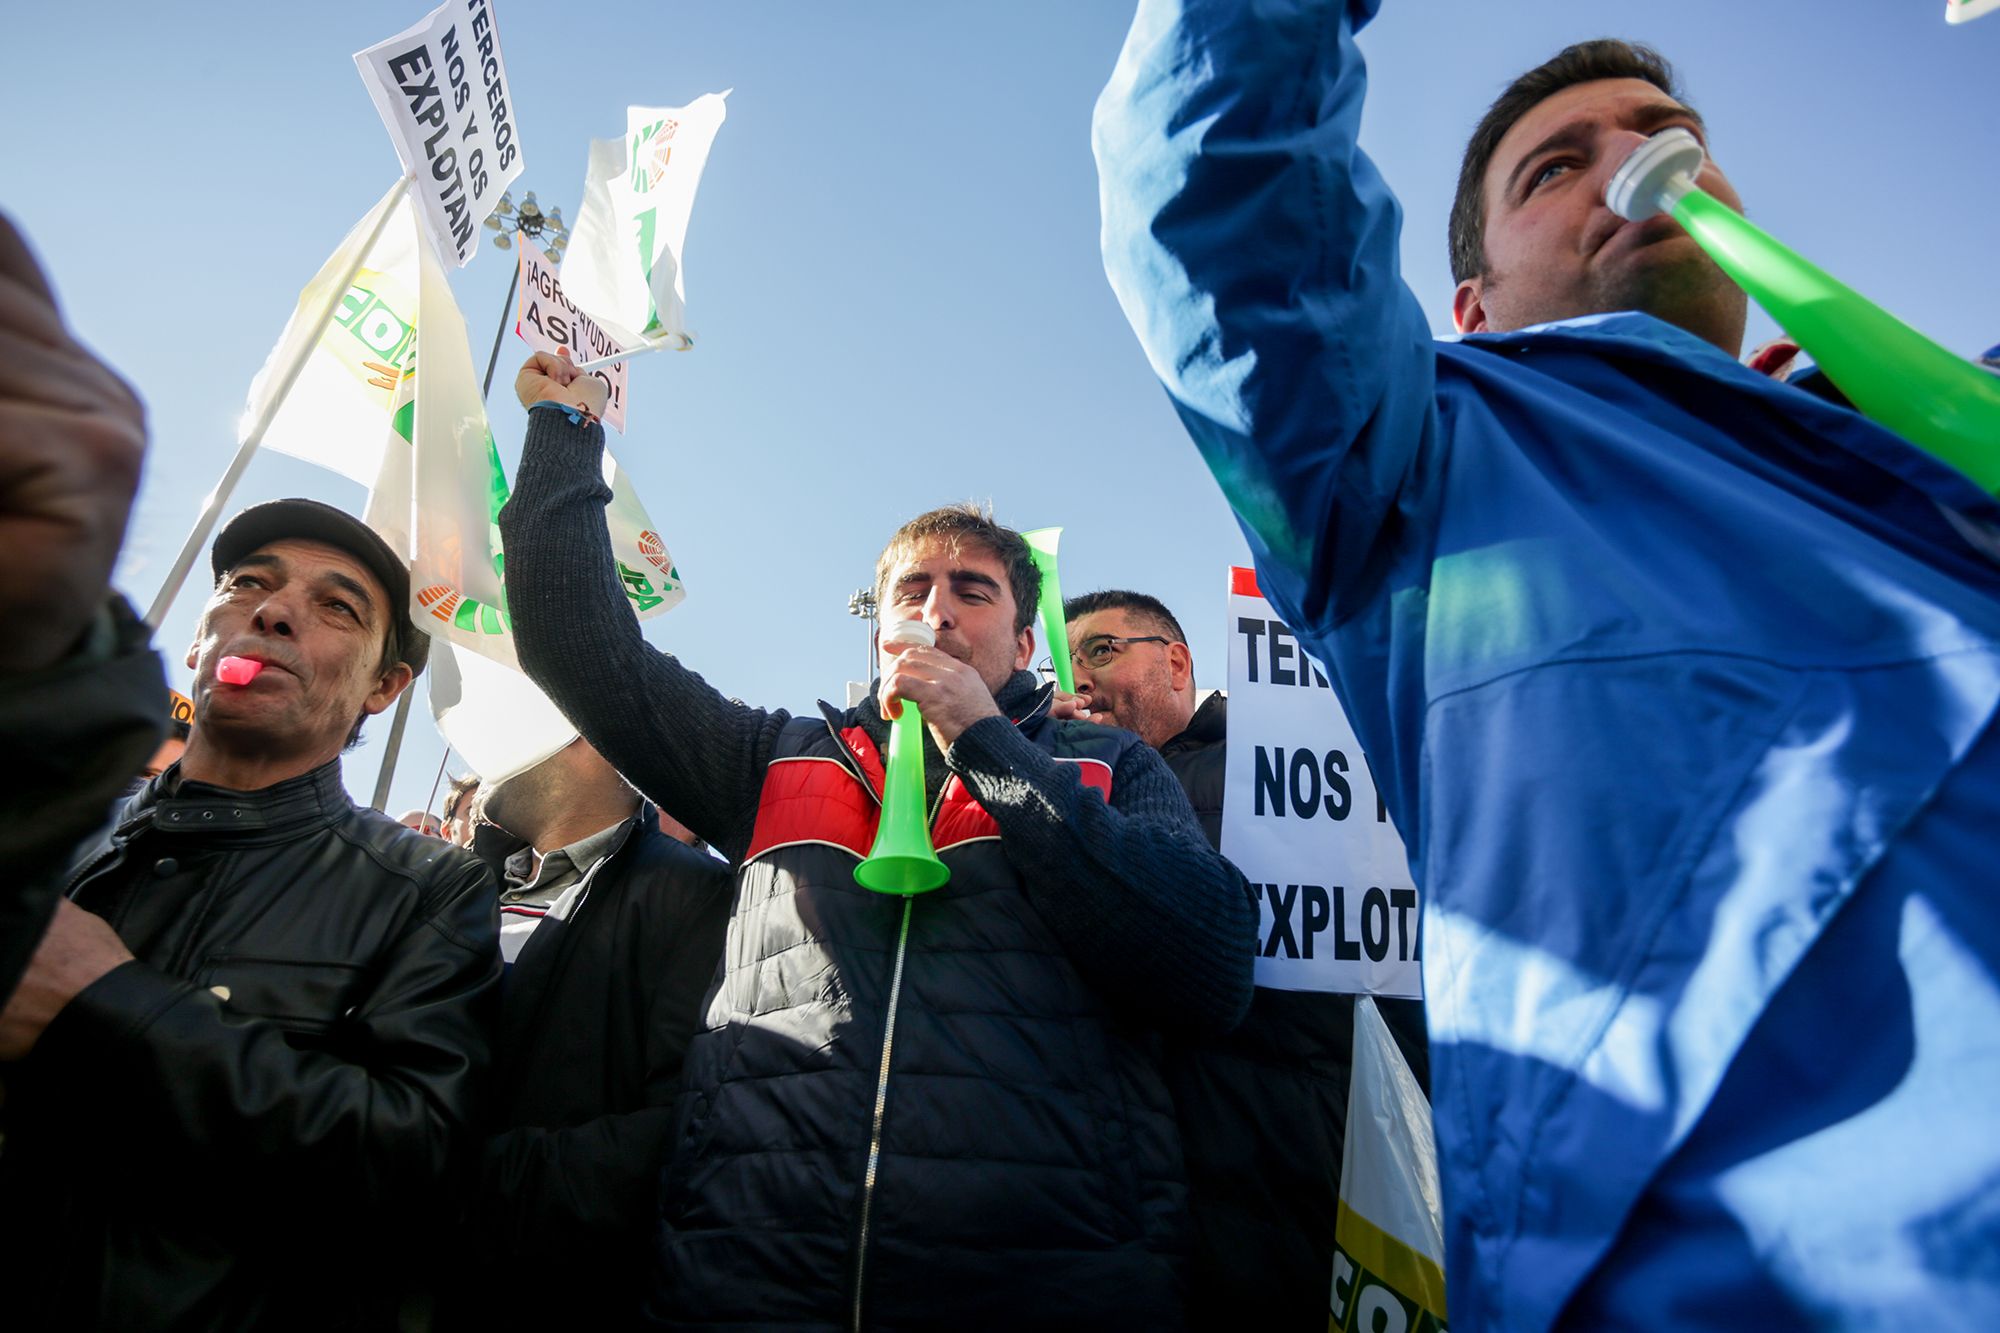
[[697, 755], [1253, 247]]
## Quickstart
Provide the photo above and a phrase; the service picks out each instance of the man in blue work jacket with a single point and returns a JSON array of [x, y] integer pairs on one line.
[[1680, 682]]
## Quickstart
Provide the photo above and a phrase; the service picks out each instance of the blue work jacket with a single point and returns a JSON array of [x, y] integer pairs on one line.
[[1664, 667]]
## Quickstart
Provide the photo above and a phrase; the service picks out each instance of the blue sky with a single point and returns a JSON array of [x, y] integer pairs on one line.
[[893, 263]]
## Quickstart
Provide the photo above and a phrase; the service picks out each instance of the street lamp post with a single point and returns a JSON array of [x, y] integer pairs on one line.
[[505, 221], [862, 603]]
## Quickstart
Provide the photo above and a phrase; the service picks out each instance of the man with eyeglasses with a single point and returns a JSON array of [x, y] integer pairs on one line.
[[1263, 1108]]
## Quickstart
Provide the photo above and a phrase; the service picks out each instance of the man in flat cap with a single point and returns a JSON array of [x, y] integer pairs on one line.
[[249, 1044]]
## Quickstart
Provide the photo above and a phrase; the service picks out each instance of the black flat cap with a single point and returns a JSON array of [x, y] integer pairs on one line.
[[309, 520]]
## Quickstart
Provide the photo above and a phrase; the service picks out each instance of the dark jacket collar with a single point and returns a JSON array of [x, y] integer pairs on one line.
[[1209, 725], [296, 805]]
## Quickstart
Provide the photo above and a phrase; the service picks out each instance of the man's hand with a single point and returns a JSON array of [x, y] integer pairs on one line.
[[546, 378], [950, 693], [72, 436], [77, 949], [1063, 706]]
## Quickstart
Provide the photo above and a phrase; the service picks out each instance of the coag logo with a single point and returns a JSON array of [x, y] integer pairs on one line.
[[652, 149]]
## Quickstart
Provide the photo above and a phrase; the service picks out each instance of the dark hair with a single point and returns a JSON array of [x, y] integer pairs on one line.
[[1151, 610], [179, 729], [1585, 62], [970, 522], [460, 789]]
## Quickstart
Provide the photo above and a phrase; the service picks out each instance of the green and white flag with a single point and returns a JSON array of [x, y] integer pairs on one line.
[[360, 406], [624, 261]]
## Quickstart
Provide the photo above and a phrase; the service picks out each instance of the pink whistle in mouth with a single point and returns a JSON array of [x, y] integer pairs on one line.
[[237, 670]]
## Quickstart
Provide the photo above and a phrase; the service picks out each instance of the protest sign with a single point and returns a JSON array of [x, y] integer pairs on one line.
[[549, 321], [624, 261], [1302, 818], [179, 707], [441, 88]]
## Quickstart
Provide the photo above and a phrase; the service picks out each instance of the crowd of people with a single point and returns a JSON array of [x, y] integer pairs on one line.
[[1679, 678]]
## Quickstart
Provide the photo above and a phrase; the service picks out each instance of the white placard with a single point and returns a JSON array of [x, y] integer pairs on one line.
[[549, 321], [1302, 818], [441, 88]]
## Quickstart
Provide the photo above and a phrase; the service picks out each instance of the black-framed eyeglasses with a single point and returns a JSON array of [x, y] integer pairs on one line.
[[1095, 653]]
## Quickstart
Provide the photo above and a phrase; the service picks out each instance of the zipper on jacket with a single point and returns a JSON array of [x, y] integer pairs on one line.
[[881, 1105]]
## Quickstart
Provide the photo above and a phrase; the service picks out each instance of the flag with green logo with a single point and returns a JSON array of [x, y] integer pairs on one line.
[[624, 261], [334, 410]]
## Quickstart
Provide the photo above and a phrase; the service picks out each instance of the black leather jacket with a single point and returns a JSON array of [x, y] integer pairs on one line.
[[250, 1125]]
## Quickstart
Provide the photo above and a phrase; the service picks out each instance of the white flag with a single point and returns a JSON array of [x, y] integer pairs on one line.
[[335, 412], [441, 89], [494, 716], [624, 262]]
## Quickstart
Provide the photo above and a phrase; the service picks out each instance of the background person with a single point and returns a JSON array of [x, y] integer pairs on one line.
[[613, 939], [1263, 1109]]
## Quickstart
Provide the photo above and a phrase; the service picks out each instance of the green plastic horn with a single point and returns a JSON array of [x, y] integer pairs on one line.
[[1055, 626], [902, 861], [1887, 369]]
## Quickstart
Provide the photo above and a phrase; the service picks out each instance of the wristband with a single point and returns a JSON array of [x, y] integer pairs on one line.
[[578, 416]]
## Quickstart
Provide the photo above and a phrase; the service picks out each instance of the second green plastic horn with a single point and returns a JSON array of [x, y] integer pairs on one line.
[[1055, 626], [1889, 371]]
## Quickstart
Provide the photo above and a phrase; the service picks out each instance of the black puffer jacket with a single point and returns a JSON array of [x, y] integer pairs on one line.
[[960, 1130], [1263, 1111], [252, 1123], [1027, 1173]]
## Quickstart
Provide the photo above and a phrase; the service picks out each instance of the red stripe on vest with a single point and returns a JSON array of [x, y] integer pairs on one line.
[[812, 800], [817, 800]]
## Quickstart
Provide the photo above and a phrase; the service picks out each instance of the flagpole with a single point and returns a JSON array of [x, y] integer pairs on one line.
[[211, 508], [680, 342]]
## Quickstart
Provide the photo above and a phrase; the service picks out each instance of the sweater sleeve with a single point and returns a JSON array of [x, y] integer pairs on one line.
[[1154, 918], [695, 754]]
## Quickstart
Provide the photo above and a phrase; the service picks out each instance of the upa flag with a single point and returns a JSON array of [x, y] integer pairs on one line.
[[441, 89], [335, 410], [624, 262]]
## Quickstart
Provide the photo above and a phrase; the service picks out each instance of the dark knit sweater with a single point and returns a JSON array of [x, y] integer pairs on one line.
[[1153, 918]]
